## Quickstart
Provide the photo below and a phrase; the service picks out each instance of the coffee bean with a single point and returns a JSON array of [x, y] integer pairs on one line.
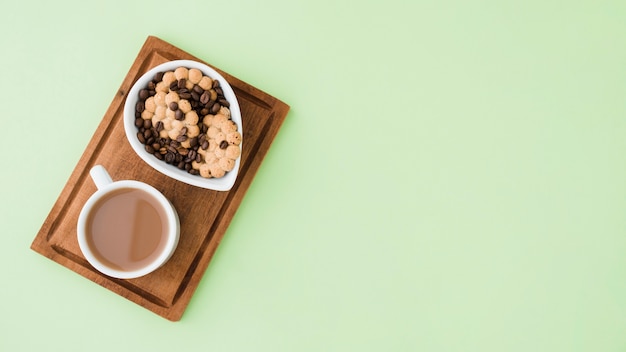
[[144, 94], [158, 77], [147, 123], [183, 130], [159, 156], [178, 115], [219, 91], [216, 83], [187, 166], [183, 151], [163, 150], [204, 111], [141, 138], [182, 83], [138, 122], [201, 138], [156, 146], [194, 103], [173, 106], [223, 145], [174, 143], [193, 142], [204, 98], [184, 94], [151, 85], [224, 102], [137, 114], [140, 106], [149, 149], [159, 126], [181, 165], [174, 86], [150, 140], [181, 138], [194, 172], [169, 157], [215, 108], [192, 155], [147, 134], [199, 158]]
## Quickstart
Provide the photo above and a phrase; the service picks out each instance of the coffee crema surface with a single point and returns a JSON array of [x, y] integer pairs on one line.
[[127, 229]]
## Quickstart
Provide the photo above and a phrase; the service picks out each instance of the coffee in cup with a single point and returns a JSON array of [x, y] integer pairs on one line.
[[126, 229]]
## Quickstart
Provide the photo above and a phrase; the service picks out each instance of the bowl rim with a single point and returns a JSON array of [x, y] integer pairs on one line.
[[218, 184]]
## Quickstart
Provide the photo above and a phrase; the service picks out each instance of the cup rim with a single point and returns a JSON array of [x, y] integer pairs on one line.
[[169, 248]]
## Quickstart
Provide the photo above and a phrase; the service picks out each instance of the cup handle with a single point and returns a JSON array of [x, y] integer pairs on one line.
[[100, 176]]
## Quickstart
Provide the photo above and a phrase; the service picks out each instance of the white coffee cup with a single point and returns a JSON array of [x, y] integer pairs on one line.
[[126, 229]]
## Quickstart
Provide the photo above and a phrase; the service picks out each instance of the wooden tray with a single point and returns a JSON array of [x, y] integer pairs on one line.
[[204, 214]]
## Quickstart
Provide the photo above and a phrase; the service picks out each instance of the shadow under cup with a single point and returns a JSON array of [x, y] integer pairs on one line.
[[127, 229]]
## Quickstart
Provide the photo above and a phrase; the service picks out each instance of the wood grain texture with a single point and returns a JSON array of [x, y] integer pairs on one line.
[[204, 214]]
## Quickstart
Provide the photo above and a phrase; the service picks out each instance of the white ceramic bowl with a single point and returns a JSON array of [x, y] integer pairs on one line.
[[219, 184]]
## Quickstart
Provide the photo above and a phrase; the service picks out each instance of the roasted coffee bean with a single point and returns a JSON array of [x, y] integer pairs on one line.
[[137, 114], [147, 123], [193, 142], [144, 94], [219, 91], [184, 94], [181, 165], [163, 150], [198, 89], [204, 128], [158, 156], [194, 103], [149, 149], [152, 92], [199, 158], [178, 158], [183, 130], [141, 138], [181, 138], [195, 96], [183, 151], [216, 83], [224, 102], [201, 138], [151, 85], [173, 106], [156, 146], [215, 108], [169, 157], [159, 126], [174, 143], [138, 122], [182, 83], [194, 172], [147, 134], [178, 115], [223, 145], [205, 145], [158, 77], [204, 98], [187, 166], [204, 111], [174, 86], [150, 140], [140, 106]]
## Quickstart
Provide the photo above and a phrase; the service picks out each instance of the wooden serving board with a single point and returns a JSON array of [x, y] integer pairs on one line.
[[204, 214]]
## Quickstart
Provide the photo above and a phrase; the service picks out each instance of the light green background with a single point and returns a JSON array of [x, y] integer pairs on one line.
[[450, 177]]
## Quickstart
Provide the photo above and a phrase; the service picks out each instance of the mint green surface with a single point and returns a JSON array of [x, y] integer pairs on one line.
[[451, 175]]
